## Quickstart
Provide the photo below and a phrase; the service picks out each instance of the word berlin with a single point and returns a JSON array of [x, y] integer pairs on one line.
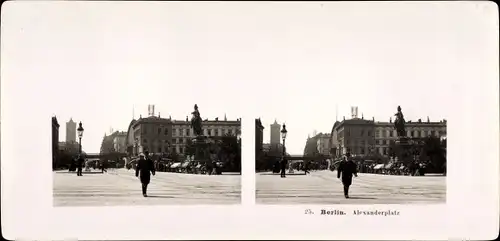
[[377, 213]]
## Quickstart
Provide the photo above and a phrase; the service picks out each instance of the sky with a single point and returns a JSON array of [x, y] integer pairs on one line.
[[295, 62]]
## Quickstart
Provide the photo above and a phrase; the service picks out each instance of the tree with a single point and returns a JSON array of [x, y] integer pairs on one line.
[[435, 151]]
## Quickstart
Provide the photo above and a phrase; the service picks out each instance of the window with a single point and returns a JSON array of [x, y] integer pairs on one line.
[[176, 140], [362, 150], [177, 132], [159, 131], [229, 132], [159, 149], [187, 132], [377, 133], [166, 131], [369, 133], [362, 143], [416, 133], [216, 132], [347, 142], [209, 131], [348, 132], [362, 132], [432, 133]]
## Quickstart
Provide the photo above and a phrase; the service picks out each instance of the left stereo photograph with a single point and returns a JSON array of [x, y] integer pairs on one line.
[[148, 160]]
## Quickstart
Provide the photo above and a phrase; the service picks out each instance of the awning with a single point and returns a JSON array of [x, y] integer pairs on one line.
[[378, 166], [175, 165]]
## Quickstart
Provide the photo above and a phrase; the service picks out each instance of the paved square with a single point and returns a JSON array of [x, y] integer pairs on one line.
[[323, 187], [121, 187]]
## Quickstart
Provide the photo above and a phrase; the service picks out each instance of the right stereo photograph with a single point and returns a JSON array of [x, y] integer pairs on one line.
[[358, 161]]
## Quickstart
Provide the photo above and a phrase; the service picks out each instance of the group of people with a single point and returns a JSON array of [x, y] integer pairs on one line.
[[78, 164]]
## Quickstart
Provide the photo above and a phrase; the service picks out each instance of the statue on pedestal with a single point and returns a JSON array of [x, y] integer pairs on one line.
[[196, 121], [399, 123]]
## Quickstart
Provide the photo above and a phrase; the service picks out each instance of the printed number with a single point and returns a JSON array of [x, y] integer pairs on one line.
[[308, 211]]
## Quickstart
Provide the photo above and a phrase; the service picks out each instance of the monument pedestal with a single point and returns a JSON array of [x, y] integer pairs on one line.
[[404, 150], [201, 149]]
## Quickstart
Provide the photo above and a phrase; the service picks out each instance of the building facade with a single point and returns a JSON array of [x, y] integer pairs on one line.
[[367, 137], [70, 131], [334, 143], [385, 132], [323, 144], [55, 140], [355, 136], [119, 142], [259, 138], [161, 135], [153, 134]]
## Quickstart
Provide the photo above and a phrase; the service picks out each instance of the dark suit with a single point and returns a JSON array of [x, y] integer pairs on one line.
[[347, 169], [283, 163], [79, 165], [143, 170]]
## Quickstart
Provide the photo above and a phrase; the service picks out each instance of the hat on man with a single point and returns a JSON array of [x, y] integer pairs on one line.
[[142, 155]]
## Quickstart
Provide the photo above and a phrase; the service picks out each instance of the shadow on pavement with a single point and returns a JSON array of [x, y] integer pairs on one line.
[[74, 173], [362, 198], [288, 174], [153, 196]]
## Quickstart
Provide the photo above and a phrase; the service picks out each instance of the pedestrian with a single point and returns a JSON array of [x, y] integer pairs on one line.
[[145, 167], [79, 165], [347, 168], [306, 168], [283, 167]]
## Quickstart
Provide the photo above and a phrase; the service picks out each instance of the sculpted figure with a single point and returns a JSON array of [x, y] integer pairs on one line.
[[399, 123], [196, 121]]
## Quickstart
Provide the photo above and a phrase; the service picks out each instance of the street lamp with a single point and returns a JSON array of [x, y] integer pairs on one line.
[[80, 134], [283, 135]]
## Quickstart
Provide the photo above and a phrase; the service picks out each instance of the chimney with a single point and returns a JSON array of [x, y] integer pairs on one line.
[[186, 118], [159, 115], [390, 119], [344, 117], [216, 118], [428, 120], [373, 119]]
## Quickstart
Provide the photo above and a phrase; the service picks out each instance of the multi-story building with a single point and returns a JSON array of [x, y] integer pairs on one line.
[[385, 132], [119, 142], [355, 136], [55, 140], [259, 137], [71, 131], [160, 135], [323, 143], [334, 143], [153, 134], [365, 137], [275, 138]]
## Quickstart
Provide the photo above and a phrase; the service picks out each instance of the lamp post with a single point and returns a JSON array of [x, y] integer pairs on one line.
[[80, 134], [283, 135]]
